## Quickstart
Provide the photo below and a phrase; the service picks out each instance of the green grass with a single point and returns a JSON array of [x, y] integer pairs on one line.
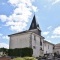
[[25, 58]]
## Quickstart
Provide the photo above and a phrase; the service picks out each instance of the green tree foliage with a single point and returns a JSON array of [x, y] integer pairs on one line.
[[4, 50]]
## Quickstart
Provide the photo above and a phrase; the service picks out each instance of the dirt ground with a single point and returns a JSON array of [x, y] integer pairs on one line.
[[5, 58]]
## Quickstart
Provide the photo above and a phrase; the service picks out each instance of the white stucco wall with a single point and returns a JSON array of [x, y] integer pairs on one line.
[[48, 48], [36, 43], [36, 50], [19, 41], [26, 40], [42, 51]]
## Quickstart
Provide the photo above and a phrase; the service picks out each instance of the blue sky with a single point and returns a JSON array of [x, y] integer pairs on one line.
[[17, 15]]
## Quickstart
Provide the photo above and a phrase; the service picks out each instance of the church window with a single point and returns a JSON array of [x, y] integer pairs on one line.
[[34, 47], [34, 40], [53, 47], [34, 37], [40, 48], [40, 42]]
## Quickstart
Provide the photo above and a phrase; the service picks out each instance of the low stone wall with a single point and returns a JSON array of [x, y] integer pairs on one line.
[[5, 58]]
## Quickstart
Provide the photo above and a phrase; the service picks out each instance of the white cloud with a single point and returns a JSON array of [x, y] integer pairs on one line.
[[49, 40], [34, 8], [21, 14], [55, 36], [50, 3], [4, 45], [45, 33], [57, 31], [3, 18], [16, 2], [13, 2], [49, 27], [5, 37], [1, 34], [55, 1]]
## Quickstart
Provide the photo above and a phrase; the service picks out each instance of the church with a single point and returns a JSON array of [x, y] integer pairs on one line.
[[31, 38]]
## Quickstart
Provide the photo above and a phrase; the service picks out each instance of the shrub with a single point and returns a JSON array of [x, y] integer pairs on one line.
[[4, 50], [10, 52], [27, 52], [20, 52]]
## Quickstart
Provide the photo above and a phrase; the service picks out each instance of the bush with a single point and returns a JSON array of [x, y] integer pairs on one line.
[[10, 52], [4, 50], [27, 52], [20, 52]]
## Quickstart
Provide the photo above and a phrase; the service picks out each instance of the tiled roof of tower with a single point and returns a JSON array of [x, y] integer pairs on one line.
[[34, 24]]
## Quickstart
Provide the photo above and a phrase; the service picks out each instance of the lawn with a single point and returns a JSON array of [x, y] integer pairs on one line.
[[25, 58]]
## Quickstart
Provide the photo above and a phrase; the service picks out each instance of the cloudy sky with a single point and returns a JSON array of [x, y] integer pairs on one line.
[[16, 16]]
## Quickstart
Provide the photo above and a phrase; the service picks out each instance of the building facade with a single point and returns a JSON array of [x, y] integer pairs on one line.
[[48, 48], [57, 49], [31, 38]]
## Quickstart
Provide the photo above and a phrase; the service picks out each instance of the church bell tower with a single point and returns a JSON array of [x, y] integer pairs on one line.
[[35, 26]]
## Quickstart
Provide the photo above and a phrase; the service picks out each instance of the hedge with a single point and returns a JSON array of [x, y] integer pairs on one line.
[[20, 52]]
